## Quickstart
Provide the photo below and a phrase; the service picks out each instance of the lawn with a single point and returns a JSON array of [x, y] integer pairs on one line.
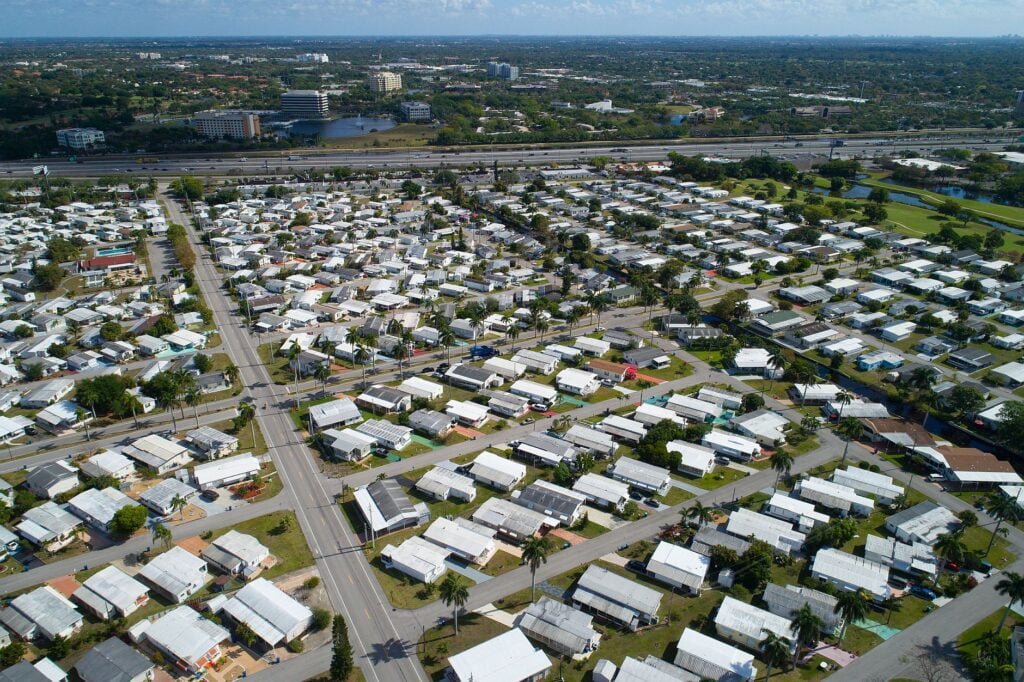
[[403, 591], [1010, 215], [276, 364], [969, 638], [440, 642], [281, 534], [402, 135], [250, 438], [721, 476], [977, 539]]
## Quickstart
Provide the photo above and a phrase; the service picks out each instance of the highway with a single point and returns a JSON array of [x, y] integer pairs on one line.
[[429, 158]]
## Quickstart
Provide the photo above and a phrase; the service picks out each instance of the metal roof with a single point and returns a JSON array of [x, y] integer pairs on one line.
[[271, 613], [552, 621], [509, 657], [186, 634], [48, 609], [613, 594]]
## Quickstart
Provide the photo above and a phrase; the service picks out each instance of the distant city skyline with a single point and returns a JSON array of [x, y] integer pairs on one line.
[[227, 18]]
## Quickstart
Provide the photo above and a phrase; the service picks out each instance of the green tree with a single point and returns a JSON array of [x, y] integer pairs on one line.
[[1010, 585], [129, 519], [1002, 509], [59, 648], [162, 534], [321, 618], [782, 464], [49, 276], [245, 634], [60, 250], [203, 362], [852, 606], [950, 547], [342, 662], [699, 513], [535, 553], [12, 654], [850, 429], [808, 627], [187, 187], [755, 565], [774, 652], [455, 594]]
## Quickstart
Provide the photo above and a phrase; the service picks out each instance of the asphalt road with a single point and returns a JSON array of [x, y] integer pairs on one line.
[[625, 151], [381, 651]]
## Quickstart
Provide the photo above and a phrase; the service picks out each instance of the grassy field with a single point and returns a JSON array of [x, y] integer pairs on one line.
[[1011, 215], [402, 135], [281, 534], [721, 476], [250, 438], [969, 639]]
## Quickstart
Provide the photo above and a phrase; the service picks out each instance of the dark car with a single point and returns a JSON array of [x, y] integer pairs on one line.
[[427, 370], [210, 495], [443, 367], [898, 583], [636, 496], [636, 565], [651, 502], [923, 592]]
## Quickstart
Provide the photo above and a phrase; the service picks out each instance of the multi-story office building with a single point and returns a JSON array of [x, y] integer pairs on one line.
[[304, 104], [502, 70], [80, 138], [384, 81], [415, 111], [315, 57], [234, 124]]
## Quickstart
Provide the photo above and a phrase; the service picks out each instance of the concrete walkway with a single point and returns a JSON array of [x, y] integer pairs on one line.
[[682, 485], [467, 571]]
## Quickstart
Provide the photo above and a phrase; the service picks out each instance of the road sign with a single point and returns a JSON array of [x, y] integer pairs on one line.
[[40, 170]]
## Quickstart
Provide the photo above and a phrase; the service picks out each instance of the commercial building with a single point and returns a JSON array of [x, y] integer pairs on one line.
[[415, 111], [236, 125], [80, 138], [503, 71], [384, 81], [305, 104]]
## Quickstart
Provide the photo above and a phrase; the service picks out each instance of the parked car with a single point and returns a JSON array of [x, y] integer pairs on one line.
[[636, 496], [651, 502], [923, 592], [636, 565], [210, 495], [427, 370], [724, 461], [898, 583], [952, 566], [540, 407]]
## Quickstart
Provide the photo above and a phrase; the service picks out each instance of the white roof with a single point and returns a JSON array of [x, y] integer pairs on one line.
[[688, 404], [753, 358], [601, 488], [461, 536], [509, 657], [419, 555], [833, 494], [532, 389], [466, 410], [692, 456], [576, 378], [154, 450], [113, 586], [679, 564], [718, 653], [175, 570], [652, 414], [776, 532], [871, 577], [419, 386], [799, 507], [751, 621], [592, 344], [186, 634], [225, 468], [495, 462], [271, 613], [731, 441], [867, 482]]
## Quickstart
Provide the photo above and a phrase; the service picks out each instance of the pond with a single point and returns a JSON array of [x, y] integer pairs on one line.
[[958, 192], [338, 128], [862, 192]]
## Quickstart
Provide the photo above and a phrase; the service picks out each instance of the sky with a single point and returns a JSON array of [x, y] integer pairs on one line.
[[159, 18]]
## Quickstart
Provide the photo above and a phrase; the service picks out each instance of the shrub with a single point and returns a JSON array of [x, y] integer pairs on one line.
[[321, 618], [296, 646], [311, 583]]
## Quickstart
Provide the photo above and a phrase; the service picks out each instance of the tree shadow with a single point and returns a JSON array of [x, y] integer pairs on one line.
[[390, 650]]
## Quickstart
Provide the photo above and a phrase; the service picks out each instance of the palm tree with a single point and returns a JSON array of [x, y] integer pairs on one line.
[[446, 337], [950, 547], [700, 513], [850, 429], [782, 463], [1002, 508], [167, 401], [542, 327], [232, 373], [193, 397], [844, 398], [851, 606], [513, 332], [776, 363], [774, 652], [455, 594], [535, 553], [178, 503], [401, 352], [80, 418], [808, 627], [591, 303], [293, 353], [599, 305], [248, 414], [361, 356], [162, 534], [322, 373], [809, 424], [1011, 585]]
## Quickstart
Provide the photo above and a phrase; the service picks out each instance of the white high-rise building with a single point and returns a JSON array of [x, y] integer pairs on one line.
[[384, 81], [305, 104], [237, 125]]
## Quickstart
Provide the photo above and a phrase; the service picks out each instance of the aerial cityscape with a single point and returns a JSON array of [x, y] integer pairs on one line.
[[506, 341]]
